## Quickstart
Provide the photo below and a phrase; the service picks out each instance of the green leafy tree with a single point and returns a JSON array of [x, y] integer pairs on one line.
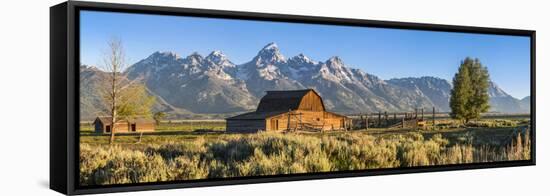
[[126, 99], [470, 92], [135, 102]]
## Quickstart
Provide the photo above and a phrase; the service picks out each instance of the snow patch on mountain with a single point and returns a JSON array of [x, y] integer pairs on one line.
[[215, 84], [495, 91]]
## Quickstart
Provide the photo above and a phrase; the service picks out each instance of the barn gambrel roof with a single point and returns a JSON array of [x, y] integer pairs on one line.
[[275, 103], [283, 100]]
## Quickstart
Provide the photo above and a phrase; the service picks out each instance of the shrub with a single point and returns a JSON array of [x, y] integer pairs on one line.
[[275, 153]]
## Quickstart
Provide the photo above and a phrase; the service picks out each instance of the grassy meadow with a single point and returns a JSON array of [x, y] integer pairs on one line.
[[198, 150]]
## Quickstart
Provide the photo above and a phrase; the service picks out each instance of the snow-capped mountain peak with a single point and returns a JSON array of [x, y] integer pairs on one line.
[[269, 54], [213, 84], [271, 46], [335, 60], [216, 56], [335, 70], [195, 58], [156, 62], [219, 58], [162, 56], [300, 66], [166, 54], [301, 59]]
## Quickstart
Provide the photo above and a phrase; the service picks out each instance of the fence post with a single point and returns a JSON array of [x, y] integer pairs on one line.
[[288, 121], [379, 119], [140, 136], [403, 122], [433, 117], [367, 121], [385, 118], [360, 120], [422, 117], [415, 113]]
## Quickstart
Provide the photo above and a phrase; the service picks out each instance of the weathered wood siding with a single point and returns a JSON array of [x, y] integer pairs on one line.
[[335, 122], [121, 127], [145, 127], [245, 126], [289, 110], [125, 127], [311, 102], [279, 122], [300, 119]]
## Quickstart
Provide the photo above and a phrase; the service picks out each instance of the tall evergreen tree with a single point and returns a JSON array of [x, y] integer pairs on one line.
[[460, 93], [470, 93]]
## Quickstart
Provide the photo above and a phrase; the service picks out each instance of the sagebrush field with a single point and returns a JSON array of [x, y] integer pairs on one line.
[[169, 155]]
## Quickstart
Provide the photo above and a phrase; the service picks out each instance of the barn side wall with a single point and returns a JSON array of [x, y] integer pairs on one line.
[[145, 127], [121, 127], [309, 119], [245, 126], [278, 122], [125, 127], [335, 122]]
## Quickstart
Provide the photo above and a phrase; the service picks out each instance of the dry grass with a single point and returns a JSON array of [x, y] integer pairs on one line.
[[273, 153]]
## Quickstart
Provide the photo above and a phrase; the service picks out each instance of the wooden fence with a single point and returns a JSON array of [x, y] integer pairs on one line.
[[410, 120]]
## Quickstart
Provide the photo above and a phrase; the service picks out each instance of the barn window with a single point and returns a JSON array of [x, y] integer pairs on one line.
[[108, 128], [134, 127], [318, 119]]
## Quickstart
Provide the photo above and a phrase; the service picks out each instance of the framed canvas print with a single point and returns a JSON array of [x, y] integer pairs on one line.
[[146, 97]]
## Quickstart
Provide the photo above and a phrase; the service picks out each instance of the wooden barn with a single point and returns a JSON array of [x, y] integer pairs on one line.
[[104, 125], [288, 111]]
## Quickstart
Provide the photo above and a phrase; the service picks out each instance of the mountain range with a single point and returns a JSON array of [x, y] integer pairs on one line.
[[214, 85]]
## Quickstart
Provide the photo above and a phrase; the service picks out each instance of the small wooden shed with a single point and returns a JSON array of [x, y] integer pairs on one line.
[[288, 111], [104, 125]]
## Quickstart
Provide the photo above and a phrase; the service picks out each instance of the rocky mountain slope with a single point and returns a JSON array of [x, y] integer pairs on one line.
[[213, 84]]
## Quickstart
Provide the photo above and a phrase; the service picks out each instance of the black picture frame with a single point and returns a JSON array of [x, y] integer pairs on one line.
[[64, 88]]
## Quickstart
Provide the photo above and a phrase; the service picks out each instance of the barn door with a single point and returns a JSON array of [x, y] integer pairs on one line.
[[274, 124], [133, 127]]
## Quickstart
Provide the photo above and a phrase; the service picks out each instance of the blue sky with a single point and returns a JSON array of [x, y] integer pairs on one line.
[[387, 53]]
